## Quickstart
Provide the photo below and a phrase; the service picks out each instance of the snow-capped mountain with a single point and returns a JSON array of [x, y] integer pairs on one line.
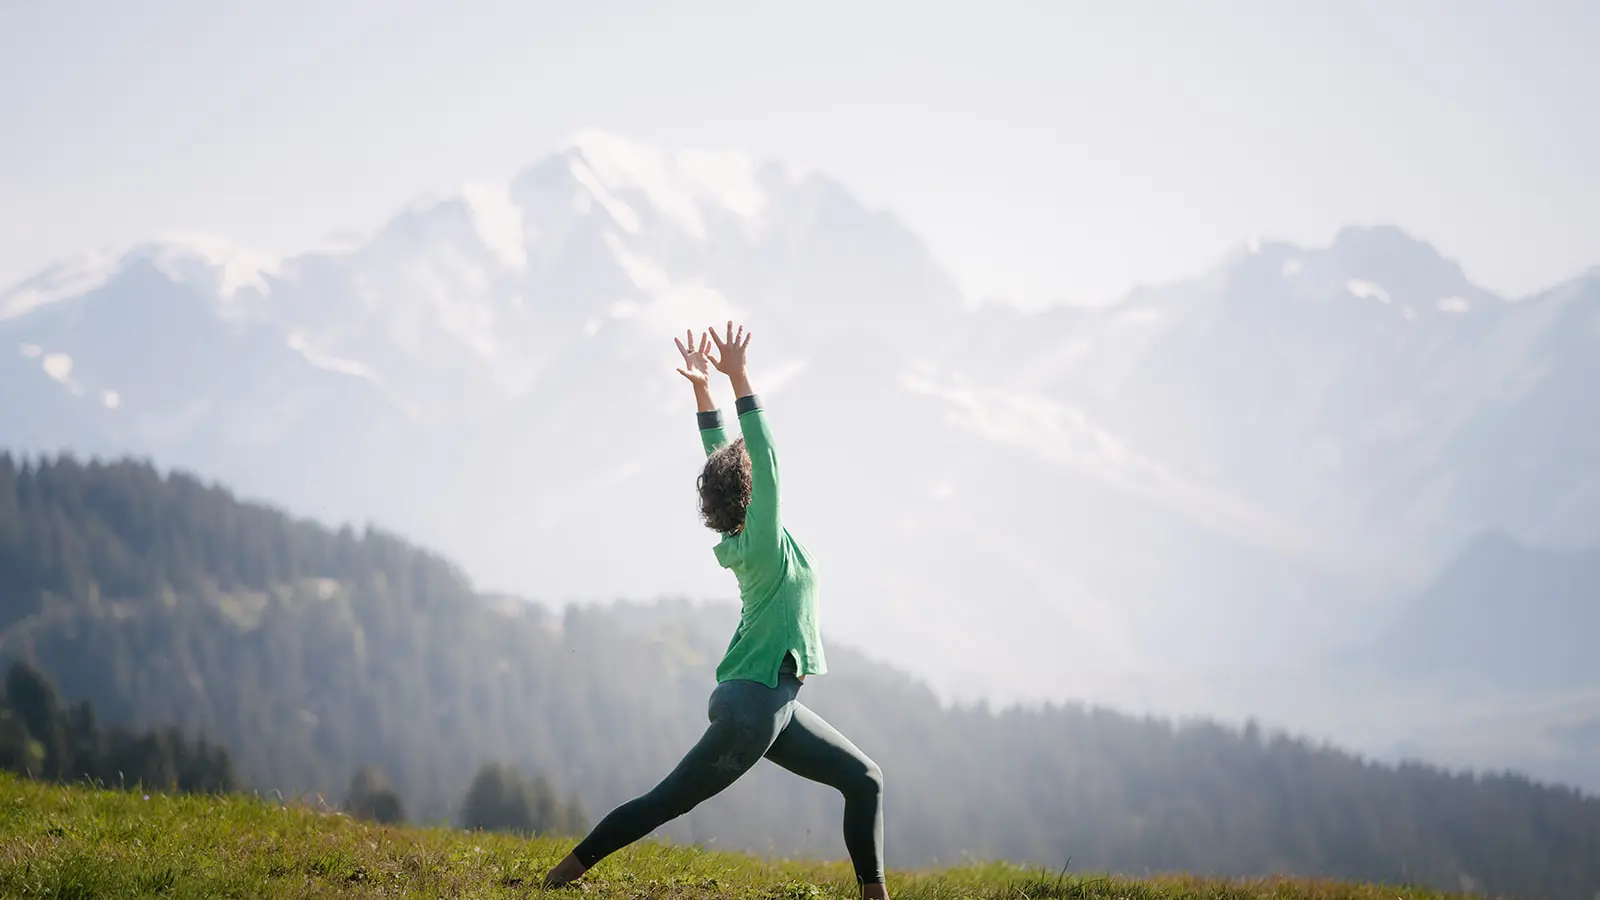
[[1358, 399], [1247, 467]]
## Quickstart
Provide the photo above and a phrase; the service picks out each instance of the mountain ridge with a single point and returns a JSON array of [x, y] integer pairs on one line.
[[1249, 467]]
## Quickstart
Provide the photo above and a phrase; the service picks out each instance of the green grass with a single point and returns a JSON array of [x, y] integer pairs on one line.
[[76, 843]]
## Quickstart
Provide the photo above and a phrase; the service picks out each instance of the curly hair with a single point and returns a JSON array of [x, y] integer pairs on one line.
[[724, 486]]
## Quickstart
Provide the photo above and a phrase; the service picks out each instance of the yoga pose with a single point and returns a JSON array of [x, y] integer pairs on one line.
[[754, 710]]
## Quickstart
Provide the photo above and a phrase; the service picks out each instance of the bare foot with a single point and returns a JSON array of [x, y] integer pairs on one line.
[[874, 892], [565, 872]]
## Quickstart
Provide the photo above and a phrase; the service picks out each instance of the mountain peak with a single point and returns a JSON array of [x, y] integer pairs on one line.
[[1382, 264], [488, 207], [187, 258], [218, 264], [1388, 246], [1380, 234], [1412, 271], [686, 185], [68, 278]]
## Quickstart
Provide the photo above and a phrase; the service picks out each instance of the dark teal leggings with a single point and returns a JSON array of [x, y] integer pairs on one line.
[[748, 721]]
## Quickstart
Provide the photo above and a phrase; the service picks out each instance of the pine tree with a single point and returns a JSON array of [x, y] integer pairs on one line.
[[32, 698], [372, 797]]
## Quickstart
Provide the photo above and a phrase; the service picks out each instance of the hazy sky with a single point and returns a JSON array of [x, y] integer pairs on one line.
[[1047, 150]]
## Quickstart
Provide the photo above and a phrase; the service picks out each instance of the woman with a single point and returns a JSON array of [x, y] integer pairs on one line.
[[754, 710]]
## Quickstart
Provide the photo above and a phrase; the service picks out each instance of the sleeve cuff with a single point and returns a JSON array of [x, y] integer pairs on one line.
[[709, 420], [747, 403]]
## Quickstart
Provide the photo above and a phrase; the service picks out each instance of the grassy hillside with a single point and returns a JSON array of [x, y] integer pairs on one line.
[[72, 842], [312, 653]]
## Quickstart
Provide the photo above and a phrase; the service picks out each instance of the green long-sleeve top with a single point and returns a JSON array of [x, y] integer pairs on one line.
[[777, 586]]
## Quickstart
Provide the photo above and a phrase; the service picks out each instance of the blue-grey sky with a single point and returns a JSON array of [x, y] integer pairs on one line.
[[1048, 151]]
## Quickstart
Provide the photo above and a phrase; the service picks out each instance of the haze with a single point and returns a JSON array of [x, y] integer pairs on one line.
[[1049, 153], [1337, 469]]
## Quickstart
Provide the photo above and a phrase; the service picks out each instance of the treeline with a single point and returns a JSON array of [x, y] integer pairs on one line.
[[500, 798], [312, 652], [40, 738]]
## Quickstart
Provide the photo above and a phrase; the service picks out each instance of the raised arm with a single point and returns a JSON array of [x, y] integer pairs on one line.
[[762, 521], [696, 368]]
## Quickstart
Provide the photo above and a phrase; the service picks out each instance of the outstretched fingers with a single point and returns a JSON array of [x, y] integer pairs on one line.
[[729, 339], [722, 346]]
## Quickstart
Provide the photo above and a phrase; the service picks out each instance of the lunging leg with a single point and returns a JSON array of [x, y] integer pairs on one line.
[[746, 717], [811, 748]]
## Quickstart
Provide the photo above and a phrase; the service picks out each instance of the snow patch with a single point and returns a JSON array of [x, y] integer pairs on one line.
[[645, 275], [620, 212], [227, 268], [728, 179], [1454, 304], [1366, 289], [1291, 268], [58, 366], [185, 258], [1064, 435], [298, 343], [78, 275], [110, 399], [498, 221], [1052, 431], [681, 185], [30, 351], [685, 305], [444, 290]]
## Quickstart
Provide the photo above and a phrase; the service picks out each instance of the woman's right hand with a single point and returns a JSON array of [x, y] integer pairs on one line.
[[696, 363]]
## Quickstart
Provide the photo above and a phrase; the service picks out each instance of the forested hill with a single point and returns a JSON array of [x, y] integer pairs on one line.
[[310, 652]]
